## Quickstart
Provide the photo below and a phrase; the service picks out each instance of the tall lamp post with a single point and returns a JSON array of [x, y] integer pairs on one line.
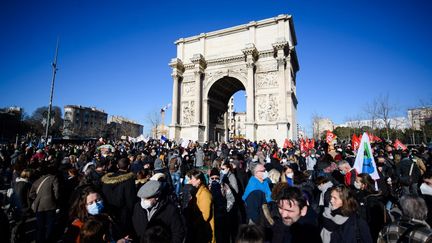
[[54, 71]]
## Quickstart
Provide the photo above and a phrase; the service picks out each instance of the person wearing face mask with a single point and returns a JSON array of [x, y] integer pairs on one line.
[[257, 192], [311, 161], [426, 192], [154, 209], [220, 202], [288, 174], [89, 202], [323, 184], [348, 172], [371, 204]]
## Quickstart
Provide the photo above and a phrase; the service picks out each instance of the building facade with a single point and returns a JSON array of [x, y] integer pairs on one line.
[[83, 122], [418, 117], [320, 126], [395, 123], [120, 126]]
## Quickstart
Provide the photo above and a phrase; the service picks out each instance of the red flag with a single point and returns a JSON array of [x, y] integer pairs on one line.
[[275, 155], [330, 136], [311, 144], [287, 144], [355, 142], [377, 139], [399, 145], [302, 145]]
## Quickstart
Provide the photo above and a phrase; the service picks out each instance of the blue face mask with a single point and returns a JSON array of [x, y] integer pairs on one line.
[[95, 208]]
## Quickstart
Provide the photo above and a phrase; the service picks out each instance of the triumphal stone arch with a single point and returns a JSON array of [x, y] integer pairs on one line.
[[259, 58]]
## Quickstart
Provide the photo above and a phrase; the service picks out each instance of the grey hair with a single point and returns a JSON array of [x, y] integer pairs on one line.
[[343, 162], [252, 167], [414, 207]]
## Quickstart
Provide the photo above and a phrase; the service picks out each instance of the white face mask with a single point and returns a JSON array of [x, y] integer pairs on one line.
[[290, 175], [146, 204], [357, 185], [265, 175]]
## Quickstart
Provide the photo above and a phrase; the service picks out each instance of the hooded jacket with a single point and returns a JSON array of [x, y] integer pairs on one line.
[[120, 194]]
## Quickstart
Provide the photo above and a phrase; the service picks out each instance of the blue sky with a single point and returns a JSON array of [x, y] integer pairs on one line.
[[114, 55]]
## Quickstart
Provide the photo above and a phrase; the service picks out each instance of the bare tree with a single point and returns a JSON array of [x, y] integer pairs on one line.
[[355, 123], [424, 115], [385, 112], [372, 111], [316, 125], [154, 120]]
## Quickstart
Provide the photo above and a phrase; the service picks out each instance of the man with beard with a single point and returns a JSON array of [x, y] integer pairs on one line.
[[288, 218]]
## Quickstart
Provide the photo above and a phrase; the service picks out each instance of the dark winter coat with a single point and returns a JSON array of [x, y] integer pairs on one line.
[[22, 191], [120, 194], [372, 210], [337, 228], [403, 170], [166, 215]]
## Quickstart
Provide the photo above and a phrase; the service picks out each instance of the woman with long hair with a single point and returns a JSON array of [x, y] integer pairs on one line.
[[200, 214], [372, 207], [88, 202], [340, 221]]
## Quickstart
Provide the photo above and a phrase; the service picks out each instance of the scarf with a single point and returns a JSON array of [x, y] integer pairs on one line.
[[324, 188]]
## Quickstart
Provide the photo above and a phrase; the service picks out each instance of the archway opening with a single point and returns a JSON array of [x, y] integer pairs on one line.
[[227, 106]]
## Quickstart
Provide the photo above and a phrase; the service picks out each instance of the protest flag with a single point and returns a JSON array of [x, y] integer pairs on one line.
[[399, 145], [163, 139], [311, 144], [287, 144], [355, 142], [364, 162], [330, 137]]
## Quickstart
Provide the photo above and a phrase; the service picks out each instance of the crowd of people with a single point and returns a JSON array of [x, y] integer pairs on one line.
[[240, 191]]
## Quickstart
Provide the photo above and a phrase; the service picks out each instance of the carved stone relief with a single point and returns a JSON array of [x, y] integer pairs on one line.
[[188, 111], [267, 67], [267, 108], [266, 80], [189, 89]]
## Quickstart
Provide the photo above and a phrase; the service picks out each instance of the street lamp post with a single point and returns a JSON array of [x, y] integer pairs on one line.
[[54, 70]]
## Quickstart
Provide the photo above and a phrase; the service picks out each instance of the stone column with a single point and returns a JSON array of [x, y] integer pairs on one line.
[[200, 65], [177, 74], [279, 48], [226, 127], [206, 118], [251, 55]]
